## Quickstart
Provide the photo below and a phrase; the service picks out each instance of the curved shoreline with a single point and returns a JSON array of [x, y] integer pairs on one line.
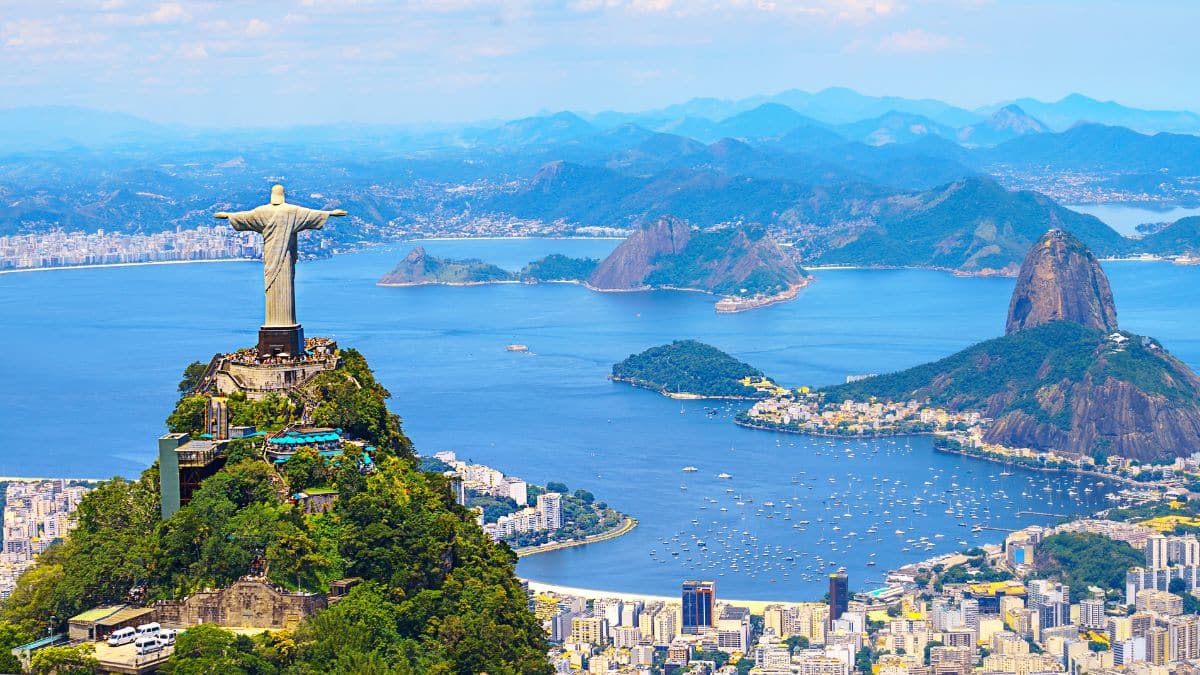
[[625, 527], [678, 395], [755, 606], [798, 432], [996, 459], [100, 266]]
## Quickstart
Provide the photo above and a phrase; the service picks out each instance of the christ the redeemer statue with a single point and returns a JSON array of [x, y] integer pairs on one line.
[[279, 222]]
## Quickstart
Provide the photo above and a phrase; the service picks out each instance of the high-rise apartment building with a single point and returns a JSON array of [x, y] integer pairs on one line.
[[839, 594], [699, 606]]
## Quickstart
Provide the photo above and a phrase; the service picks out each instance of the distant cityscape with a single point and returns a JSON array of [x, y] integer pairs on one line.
[[954, 614], [36, 514], [64, 249], [546, 515], [61, 248]]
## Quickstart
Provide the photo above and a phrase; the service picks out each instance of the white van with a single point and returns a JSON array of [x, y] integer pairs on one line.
[[122, 636], [147, 645], [148, 629], [167, 636]]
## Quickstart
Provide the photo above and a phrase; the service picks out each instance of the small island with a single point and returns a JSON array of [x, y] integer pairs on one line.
[[418, 268], [688, 369], [740, 263]]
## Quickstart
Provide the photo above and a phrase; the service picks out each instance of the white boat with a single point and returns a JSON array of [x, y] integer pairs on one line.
[[690, 469], [724, 476]]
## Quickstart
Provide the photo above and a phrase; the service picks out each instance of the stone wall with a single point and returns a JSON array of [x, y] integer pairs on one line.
[[256, 381], [248, 603]]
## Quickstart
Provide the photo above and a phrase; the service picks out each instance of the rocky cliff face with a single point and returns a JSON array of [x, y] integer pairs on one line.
[[1108, 413], [1061, 280], [1063, 378], [736, 261], [627, 267], [414, 268], [418, 267]]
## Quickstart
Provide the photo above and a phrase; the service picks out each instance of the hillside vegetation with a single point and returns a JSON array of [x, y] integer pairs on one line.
[[1083, 559], [558, 267], [688, 367], [439, 596], [1059, 386]]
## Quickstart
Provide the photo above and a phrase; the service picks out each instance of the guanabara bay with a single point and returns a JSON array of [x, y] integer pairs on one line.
[[604, 337]]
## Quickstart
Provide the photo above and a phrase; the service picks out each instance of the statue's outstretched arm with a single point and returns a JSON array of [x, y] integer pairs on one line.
[[240, 220]]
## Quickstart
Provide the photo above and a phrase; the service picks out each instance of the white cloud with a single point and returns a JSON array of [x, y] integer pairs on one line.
[[165, 13], [193, 52], [853, 10], [34, 34], [257, 27], [917, 41]]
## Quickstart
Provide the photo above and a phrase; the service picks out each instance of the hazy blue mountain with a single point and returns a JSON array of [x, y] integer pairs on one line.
[[809, 138], [920, 165], [1181, 237], [591, 195], [839, 105], [894, 127], [55, 127], [835, 105], [1005, 124], [556, 128], [769, 120], [1096, 147], [1075, 108], [655, 154], [582, 194], [699, 128], [594, 146], [972, 225]]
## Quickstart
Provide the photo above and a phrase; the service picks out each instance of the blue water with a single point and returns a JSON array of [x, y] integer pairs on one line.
[[93, 356], [1125, 218]]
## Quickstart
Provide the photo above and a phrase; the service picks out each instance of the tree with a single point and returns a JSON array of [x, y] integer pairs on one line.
[[76, 660], [240, 450], [11, 636], [188, 416], [207, 649], [862, 661], [191, 377], [304, 469], [796, 643], [555, 486], [1177, 586]]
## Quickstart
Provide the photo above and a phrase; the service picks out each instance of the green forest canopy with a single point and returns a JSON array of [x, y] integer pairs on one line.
[[439, 597], [688, 367]]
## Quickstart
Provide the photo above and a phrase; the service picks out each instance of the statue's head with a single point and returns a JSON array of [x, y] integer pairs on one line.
[[276, 195]]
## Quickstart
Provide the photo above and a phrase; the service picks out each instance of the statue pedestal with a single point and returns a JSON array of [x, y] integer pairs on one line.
[[280, 340]]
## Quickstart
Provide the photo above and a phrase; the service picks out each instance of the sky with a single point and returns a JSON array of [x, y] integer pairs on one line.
[[290, 62]]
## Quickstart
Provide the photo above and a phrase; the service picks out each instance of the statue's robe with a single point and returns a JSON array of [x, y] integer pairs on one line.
[[279, 226]]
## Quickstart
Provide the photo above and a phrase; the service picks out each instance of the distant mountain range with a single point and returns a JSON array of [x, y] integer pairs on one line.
[[973, 226], [841, 177], [706, 119]]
